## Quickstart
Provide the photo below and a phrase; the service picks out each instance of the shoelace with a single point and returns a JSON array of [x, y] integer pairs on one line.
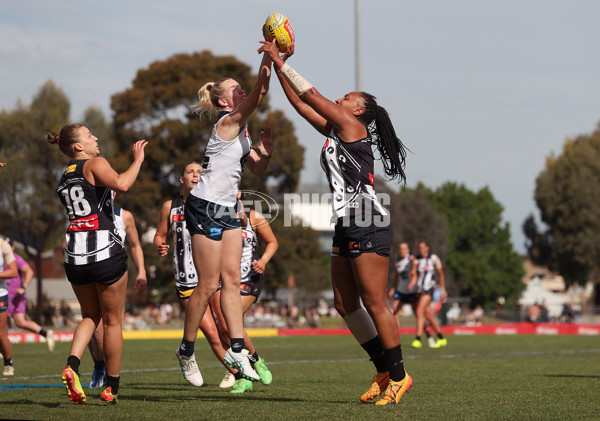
[[391, 392]]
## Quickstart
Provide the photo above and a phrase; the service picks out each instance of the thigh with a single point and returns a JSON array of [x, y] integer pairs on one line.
[[231, 256], [207, 256], [424, 302], [88, 300], [370, 271], [247, 301], [112, 299]]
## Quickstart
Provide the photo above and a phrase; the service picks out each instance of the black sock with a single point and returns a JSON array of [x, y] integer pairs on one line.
[[73, 362], [440, 335], [8, 361], [418, 338], [42, 332], [99, 365], [186, 348], [238, 375], [427, 333], [395, 363], [253, 358], [237, 344], [375, 351], [113, 383]]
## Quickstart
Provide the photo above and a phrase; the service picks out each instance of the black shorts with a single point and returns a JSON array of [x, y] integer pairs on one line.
[[407, 298], [105, 272], [184, 293], [210, 219], [252, 287], [429, 291], [351, 240]]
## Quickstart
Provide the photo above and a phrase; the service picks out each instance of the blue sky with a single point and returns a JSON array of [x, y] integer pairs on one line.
[[482, 92]]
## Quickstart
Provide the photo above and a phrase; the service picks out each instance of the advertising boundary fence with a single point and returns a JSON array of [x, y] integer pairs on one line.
[[496, 329]]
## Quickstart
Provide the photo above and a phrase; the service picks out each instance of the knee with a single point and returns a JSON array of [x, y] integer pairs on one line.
[[231, 277], [375, 306]]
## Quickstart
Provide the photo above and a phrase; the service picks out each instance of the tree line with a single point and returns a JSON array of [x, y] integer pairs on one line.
[[463, 227]]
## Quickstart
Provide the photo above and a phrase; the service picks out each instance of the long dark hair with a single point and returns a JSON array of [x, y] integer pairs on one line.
[[390, 148]]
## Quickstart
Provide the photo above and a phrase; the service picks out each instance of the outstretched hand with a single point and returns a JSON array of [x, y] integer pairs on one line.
[[138, 150], [267, 143]]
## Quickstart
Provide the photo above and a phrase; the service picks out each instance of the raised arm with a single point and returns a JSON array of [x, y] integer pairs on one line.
[[230, 126], [345, 123], [99, 172], [160, 237], [136, 251]]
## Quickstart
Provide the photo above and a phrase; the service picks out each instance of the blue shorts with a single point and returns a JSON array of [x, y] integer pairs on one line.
[[210, 219], [3, 303]]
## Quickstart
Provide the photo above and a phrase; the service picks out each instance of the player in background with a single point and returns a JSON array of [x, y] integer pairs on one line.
[[7, 258], [427, 265], [211, 214], [353, 125], [95, 259], [186, 279], [252, 269], [17, 300], [126, 229], [400, 294]]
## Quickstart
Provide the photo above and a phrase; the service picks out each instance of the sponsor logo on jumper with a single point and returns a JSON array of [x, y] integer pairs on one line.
[[88, 223]]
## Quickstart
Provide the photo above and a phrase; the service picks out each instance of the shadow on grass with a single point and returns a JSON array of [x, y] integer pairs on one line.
[[574, 376], [33, 404], [210, 397]]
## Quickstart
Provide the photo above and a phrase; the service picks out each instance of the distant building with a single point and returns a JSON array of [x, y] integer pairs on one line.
[[311, 205]]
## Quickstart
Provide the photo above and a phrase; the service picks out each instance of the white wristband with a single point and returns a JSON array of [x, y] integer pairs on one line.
[[297, 82]]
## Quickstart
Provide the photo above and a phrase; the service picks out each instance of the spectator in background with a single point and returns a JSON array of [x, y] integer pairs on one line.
[[566, 316], [544, 318], [534, 313], [17, 300], [577, 310], [478, 315], [453, 314]]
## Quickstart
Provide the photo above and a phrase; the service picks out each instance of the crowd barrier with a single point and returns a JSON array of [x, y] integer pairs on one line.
[[498, 329]]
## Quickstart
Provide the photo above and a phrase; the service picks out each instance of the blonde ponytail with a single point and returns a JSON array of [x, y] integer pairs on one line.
[[208, 99]]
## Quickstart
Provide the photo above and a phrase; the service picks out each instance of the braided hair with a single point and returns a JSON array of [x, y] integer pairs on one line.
[[391, 149]]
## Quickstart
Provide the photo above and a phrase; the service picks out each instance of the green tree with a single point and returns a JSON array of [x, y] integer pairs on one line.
[[30, 213], [156, 108], [568, 195], [481, 260]]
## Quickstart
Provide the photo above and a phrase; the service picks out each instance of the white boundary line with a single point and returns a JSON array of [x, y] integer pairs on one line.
[[353, 360]]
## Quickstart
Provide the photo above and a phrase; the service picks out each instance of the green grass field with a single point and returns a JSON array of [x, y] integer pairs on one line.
[[474, 378]]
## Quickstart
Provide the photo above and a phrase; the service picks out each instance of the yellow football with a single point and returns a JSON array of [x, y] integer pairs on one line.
[[278, 28]]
